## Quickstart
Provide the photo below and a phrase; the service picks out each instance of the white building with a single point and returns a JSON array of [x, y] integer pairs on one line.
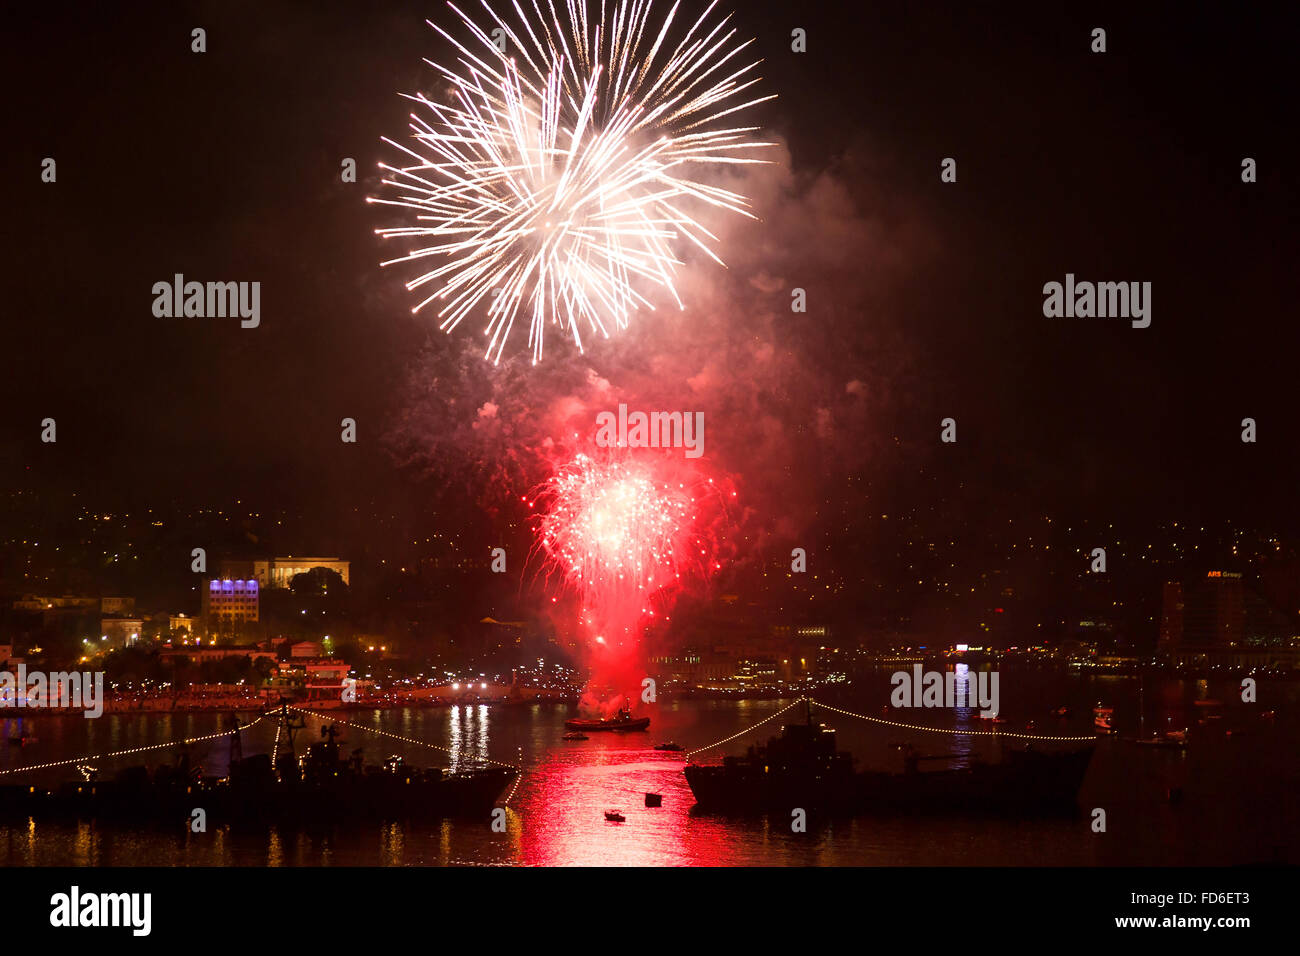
[[279, 572]]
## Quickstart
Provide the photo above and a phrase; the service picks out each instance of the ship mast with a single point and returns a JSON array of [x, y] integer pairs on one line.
[[1142, 711], [291, 724], [236, 746]]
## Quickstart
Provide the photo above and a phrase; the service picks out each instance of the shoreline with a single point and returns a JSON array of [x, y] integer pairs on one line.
[[257, 705]]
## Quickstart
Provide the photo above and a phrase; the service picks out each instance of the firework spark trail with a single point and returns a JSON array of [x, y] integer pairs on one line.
[[556, 187], [619, 533]]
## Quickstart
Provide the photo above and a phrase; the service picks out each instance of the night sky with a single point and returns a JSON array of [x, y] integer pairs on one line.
[[1117, 166]]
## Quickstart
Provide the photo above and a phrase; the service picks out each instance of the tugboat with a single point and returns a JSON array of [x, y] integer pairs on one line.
[[803, 768], [623, 720]]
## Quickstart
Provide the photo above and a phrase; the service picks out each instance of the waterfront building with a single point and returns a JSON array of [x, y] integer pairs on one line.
[[229, 604], [279, 572]]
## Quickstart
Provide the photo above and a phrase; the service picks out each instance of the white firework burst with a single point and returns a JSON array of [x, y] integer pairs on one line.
[[559, 177]]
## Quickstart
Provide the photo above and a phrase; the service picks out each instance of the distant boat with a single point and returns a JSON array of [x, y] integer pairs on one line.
[[1173, 740], [614, 816], [670, 745], [623, 720], [1170, 739], [1062, 712], [576, 735], [1103, 719]]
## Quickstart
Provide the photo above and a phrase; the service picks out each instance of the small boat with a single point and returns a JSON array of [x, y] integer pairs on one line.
[[614, 816], [1268, 715], [1169, 739], [992, 718], [1062, 712], [670, 745], [576, 735], [1174, 740], [1213, 710], [1103, 719]]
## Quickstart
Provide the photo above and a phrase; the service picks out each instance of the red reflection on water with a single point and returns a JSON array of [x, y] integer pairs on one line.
[[568, 793]]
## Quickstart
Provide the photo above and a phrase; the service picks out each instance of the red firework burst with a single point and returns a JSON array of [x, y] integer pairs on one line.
[[620, 532]]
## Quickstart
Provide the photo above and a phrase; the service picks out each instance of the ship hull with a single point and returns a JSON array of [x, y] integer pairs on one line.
[[470, 794], [1025, 783], [749, 790], [587, 726]]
